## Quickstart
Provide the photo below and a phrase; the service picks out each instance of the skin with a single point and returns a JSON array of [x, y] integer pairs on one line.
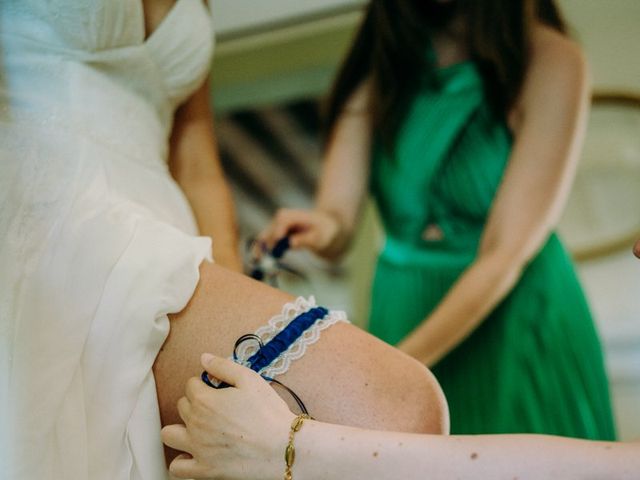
[[226, 305], [195, 165], [242, 432], [154, 13], [547, 131]]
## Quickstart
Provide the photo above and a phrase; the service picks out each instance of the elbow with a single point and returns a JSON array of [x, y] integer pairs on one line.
[[434, 419], [503, 266], [510, 256], [422, 406]]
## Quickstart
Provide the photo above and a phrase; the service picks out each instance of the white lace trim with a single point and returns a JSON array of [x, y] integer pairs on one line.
[[297, 348]]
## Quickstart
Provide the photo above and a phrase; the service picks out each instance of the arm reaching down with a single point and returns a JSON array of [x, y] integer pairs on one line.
[[241, 433], [327, 229]]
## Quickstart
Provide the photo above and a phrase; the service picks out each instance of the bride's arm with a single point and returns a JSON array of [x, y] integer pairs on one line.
[[196, 167], [242, 432]]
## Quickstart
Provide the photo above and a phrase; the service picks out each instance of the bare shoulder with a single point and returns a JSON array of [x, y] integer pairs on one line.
[[557, 76], [552, 49]]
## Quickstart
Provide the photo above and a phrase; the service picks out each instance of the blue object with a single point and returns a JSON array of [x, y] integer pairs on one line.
[[205, 378], [283, 340], [267, 265], [280, 248], [279, 344]]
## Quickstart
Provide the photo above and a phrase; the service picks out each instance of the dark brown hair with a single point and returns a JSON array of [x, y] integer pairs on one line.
[[392, 42]]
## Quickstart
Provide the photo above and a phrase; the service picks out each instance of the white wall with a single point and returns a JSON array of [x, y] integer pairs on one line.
[[233, 15], [609, 30]]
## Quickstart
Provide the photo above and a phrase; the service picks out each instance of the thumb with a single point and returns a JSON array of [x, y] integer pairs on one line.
[[227, 370]]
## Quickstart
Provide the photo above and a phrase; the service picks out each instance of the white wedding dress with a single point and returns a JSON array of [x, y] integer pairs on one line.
[[97, 242]]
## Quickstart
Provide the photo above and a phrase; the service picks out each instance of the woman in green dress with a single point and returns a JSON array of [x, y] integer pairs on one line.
[[465, 119]]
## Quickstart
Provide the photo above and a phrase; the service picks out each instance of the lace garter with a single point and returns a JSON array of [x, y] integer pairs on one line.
[[277, 324]]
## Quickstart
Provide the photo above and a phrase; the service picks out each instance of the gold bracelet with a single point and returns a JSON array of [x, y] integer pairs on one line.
[[290, 451]]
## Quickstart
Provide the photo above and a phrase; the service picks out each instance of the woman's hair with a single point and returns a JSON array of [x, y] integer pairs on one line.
[[392, 43]]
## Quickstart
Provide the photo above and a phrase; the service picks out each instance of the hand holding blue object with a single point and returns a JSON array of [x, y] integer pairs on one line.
[[265, 265]]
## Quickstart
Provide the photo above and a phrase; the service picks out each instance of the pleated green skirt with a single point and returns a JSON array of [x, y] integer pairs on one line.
[[535, 363]]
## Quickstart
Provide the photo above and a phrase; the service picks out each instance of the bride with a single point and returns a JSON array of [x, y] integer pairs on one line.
[[110, 189]]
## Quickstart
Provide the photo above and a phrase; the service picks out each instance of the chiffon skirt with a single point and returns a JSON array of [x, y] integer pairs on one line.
[[96, 249]]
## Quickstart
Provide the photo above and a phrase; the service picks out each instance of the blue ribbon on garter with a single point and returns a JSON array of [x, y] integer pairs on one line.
[[283, 340], [279, 344]]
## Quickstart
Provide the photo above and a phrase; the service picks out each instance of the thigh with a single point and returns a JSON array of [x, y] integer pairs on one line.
[[347, 377]]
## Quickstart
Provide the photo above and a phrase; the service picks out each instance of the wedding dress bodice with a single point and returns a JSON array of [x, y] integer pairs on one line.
[[86, 65]]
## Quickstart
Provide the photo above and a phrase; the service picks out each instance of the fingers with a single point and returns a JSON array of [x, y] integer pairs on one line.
[[176, 437], [284, 222], [183, 466], [196, 388], [287, 220], [305, 238], [227, 370], [184, 409]]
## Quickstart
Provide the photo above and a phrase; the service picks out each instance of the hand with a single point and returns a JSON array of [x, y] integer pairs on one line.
[[316, 230], [238, 432]]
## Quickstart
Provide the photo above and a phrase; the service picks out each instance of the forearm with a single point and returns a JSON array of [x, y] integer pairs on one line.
[[476, 293], [325, 451], [345, 173], [342, 185], [212, 203], [330, 451], [340, 195], [195, 165]]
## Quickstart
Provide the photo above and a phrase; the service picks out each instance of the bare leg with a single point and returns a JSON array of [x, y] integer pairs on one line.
[[348, 377]]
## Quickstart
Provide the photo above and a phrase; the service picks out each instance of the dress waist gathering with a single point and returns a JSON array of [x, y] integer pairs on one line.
[[431, 254]]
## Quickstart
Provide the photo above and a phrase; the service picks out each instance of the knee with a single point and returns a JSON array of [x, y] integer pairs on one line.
[[409, 395], [364, 382], [424, 406]]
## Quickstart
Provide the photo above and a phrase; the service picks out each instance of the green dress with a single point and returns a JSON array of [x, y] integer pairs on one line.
[[535, 363]]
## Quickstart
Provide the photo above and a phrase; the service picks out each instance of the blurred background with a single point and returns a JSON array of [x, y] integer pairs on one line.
[[274, 64]]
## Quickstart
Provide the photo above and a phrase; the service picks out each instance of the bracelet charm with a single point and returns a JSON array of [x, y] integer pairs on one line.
[[290, 450]]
